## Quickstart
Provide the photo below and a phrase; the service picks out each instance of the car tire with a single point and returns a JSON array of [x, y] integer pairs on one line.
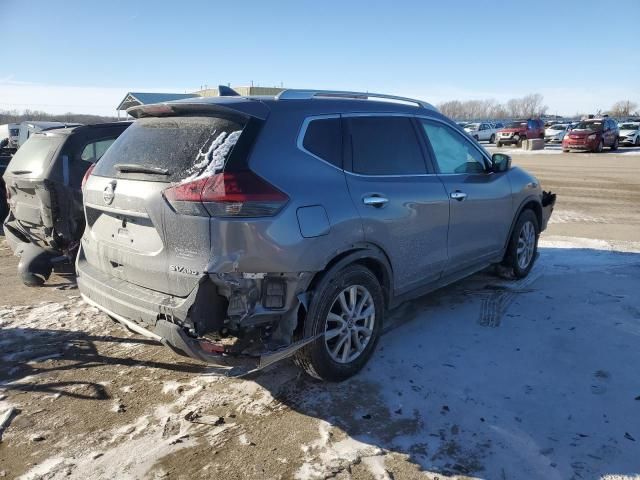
[[498, 144], [492, 139], [523, 244], [324, 358], [520, 140], [600, 147], [565, 151], [615, 145], [32, 279], [475, 137], [637, 142]]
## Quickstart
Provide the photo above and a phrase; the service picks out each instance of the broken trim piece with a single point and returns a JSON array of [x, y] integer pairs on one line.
[[171, 335]]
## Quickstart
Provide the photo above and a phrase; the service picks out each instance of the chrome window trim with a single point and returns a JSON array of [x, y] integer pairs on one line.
[[309, 119]]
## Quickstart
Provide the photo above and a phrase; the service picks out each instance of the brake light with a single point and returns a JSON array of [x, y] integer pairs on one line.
[[227, 194], [87, 174]]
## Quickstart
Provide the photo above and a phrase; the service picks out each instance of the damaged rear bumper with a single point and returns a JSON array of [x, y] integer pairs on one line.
[[170, 320], [174, 337]]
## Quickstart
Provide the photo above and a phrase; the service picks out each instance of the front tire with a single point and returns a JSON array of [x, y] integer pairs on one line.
[[600, 147], [614, 147], [523, 244], [498, 144], [346, 312], [492, 139]]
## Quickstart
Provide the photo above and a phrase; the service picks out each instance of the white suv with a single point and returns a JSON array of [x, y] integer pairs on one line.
[[482, 131]]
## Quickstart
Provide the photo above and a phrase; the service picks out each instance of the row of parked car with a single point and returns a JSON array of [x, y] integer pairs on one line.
[[241, 230], [592, 134]]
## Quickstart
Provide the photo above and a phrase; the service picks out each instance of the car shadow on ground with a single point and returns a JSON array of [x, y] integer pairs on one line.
[[489, 377], [72, 350]]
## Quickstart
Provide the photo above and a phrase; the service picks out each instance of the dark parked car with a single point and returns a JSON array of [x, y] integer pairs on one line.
[[5, 157], [515, 132], [240, 230], [43, 185], [592, 136]]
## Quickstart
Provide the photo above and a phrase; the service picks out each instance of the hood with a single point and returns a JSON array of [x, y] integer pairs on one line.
[[549, 132], [513, 130], [624, 133], [581, 133]]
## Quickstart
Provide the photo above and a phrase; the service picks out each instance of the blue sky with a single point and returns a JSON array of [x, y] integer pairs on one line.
[[85, 55]]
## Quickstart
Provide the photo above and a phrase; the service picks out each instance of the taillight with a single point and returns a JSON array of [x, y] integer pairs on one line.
[[227, 194], [87, 174]]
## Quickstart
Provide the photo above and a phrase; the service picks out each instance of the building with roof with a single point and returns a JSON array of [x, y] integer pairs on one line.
[[134, 99]]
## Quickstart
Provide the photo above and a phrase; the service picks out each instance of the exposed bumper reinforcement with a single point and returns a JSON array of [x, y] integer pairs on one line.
[[172, 336]]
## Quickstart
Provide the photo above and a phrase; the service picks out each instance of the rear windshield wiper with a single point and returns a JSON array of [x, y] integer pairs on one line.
[[132, 168], [20, 172]]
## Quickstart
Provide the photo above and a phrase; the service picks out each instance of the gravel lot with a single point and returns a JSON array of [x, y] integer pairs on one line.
[[484, 379]]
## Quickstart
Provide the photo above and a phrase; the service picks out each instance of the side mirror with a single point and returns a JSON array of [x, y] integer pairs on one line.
[[500, 162]]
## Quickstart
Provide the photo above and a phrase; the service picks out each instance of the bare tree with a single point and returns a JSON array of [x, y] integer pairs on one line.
[[623, 108], [14, 116], [527, 106]]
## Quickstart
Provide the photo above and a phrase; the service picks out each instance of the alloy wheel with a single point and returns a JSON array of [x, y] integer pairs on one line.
[[349, 324], [526, 245]]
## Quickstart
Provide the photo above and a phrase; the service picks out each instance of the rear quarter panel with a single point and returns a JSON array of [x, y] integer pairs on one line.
[[276, 244]]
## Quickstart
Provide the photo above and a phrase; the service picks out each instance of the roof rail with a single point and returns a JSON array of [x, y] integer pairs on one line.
[[293, 94]]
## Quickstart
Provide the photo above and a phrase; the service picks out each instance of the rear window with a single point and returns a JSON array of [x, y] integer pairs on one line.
[[185, 147], [34, 156], [323, 139]]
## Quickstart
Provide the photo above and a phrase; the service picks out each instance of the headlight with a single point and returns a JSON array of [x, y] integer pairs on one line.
[[591, 137]]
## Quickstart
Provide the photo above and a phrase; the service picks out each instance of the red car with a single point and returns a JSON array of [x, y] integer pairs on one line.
[[519, 130], [592, 136]]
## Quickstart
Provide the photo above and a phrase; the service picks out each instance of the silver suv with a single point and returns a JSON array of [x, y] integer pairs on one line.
[[243, 230]]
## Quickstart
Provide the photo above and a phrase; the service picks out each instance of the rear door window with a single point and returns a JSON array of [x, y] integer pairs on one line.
[[94, 151], [384, 146], [185, 147], [323, 138]]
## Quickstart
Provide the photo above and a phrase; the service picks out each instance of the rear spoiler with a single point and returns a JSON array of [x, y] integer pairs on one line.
[[228, 106]]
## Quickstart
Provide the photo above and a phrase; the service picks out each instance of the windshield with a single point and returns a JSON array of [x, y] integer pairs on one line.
[[14, 132], [629, 126], [516, 124], [591, 126], [181, 146], [34, 156], [557, 127], [472, 126]]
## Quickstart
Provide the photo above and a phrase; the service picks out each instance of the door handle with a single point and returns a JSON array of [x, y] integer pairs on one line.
[[458, 195], [375, 201]]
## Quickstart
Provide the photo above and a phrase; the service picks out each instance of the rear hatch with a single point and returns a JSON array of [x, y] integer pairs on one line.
[[138, 230], [26, 180]]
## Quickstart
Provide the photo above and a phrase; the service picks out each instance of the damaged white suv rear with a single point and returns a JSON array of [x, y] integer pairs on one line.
[[241, 231]]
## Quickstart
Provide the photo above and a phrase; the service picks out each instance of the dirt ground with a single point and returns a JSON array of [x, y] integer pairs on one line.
[[484, 379]]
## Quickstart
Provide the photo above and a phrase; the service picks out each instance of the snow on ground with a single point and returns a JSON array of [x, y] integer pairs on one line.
[[550, 392], [489, 378]]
